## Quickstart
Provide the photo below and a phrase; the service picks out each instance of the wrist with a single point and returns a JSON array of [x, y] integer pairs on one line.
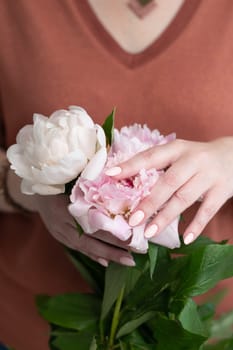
[[4, 168], [8, 202], [24, 203]]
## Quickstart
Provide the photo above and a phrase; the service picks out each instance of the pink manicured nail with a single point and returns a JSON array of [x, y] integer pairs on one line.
[[127, 261], [151, 231], [189, 238], [113, 171], [102, 262], [136, 218]]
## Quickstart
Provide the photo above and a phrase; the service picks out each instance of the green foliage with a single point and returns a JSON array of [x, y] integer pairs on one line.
[[79, 341], [72, 311], [145, 307], [91, 271], [108, 127]]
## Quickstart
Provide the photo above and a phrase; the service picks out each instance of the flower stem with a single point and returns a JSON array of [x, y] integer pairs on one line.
[[116, 317], [101, 327]]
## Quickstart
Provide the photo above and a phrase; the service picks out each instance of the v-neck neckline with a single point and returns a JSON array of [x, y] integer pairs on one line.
[[131, 60]]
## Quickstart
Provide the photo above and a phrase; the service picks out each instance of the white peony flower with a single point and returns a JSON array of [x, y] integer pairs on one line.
[[56, 149]]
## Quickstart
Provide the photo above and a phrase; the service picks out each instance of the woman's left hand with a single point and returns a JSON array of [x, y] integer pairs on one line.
[[194, 170]]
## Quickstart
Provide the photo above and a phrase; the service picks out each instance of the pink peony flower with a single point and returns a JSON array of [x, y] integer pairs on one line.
[[106, 204]]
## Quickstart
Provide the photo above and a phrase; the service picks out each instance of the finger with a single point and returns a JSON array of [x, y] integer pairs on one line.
[[183, 198], [110, 239], [99, 260], [166, 186], [209, 207], [158, 157], [89, 245], [107, 237]]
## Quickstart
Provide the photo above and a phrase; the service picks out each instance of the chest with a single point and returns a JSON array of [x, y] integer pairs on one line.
[[132, 33], [181, 83]]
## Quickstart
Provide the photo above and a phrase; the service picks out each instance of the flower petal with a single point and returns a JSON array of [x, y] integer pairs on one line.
[[169, 237], [138, 241], [63, 172], [95, 165], [117, 226], [47, 190]]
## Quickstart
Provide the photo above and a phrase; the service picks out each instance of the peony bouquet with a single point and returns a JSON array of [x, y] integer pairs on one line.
[[149, 306]]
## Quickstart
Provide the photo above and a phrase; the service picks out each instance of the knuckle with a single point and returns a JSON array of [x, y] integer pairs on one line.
[[170, 179], [183, 197], [148, 154], [180, 143], [163, 219], [149, 206], [199, 224], [203, 157], [209, 211]]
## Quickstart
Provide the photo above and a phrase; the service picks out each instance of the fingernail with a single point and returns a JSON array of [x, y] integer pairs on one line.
[[189, 238], [136, 218], [103, 262], [151, 231], [113, 171], [127, 261]]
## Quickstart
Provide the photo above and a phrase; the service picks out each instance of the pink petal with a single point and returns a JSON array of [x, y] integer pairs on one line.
[[117, 226], [169, 237], [138, 241]]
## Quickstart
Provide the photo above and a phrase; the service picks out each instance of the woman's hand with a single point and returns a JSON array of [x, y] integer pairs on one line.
[[101, 246], [194, 170]]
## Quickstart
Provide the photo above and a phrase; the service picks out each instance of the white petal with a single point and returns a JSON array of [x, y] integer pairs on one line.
[[25, 135], [96, 165], [26, 187], [48, 190], [63, 172], [169, 237], [101, 136], [18, 162], [87, 140], [83, 118]]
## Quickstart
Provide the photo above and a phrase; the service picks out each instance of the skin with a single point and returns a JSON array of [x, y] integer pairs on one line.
[[101, 246], [194, 170]]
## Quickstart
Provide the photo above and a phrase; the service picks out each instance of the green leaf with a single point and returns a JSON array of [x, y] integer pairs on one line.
[[206, 311], [115, 279], [152, 293], [79, 228], [73, 311], [153, 254], [108, 127], [91, 271], [69, 186], [130, 326], [190, 319], [201, 241], [134, 346], [78, 341], [172, 336], [202, 269]]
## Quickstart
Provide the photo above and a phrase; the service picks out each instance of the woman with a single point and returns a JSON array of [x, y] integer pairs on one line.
[[170, 70]]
